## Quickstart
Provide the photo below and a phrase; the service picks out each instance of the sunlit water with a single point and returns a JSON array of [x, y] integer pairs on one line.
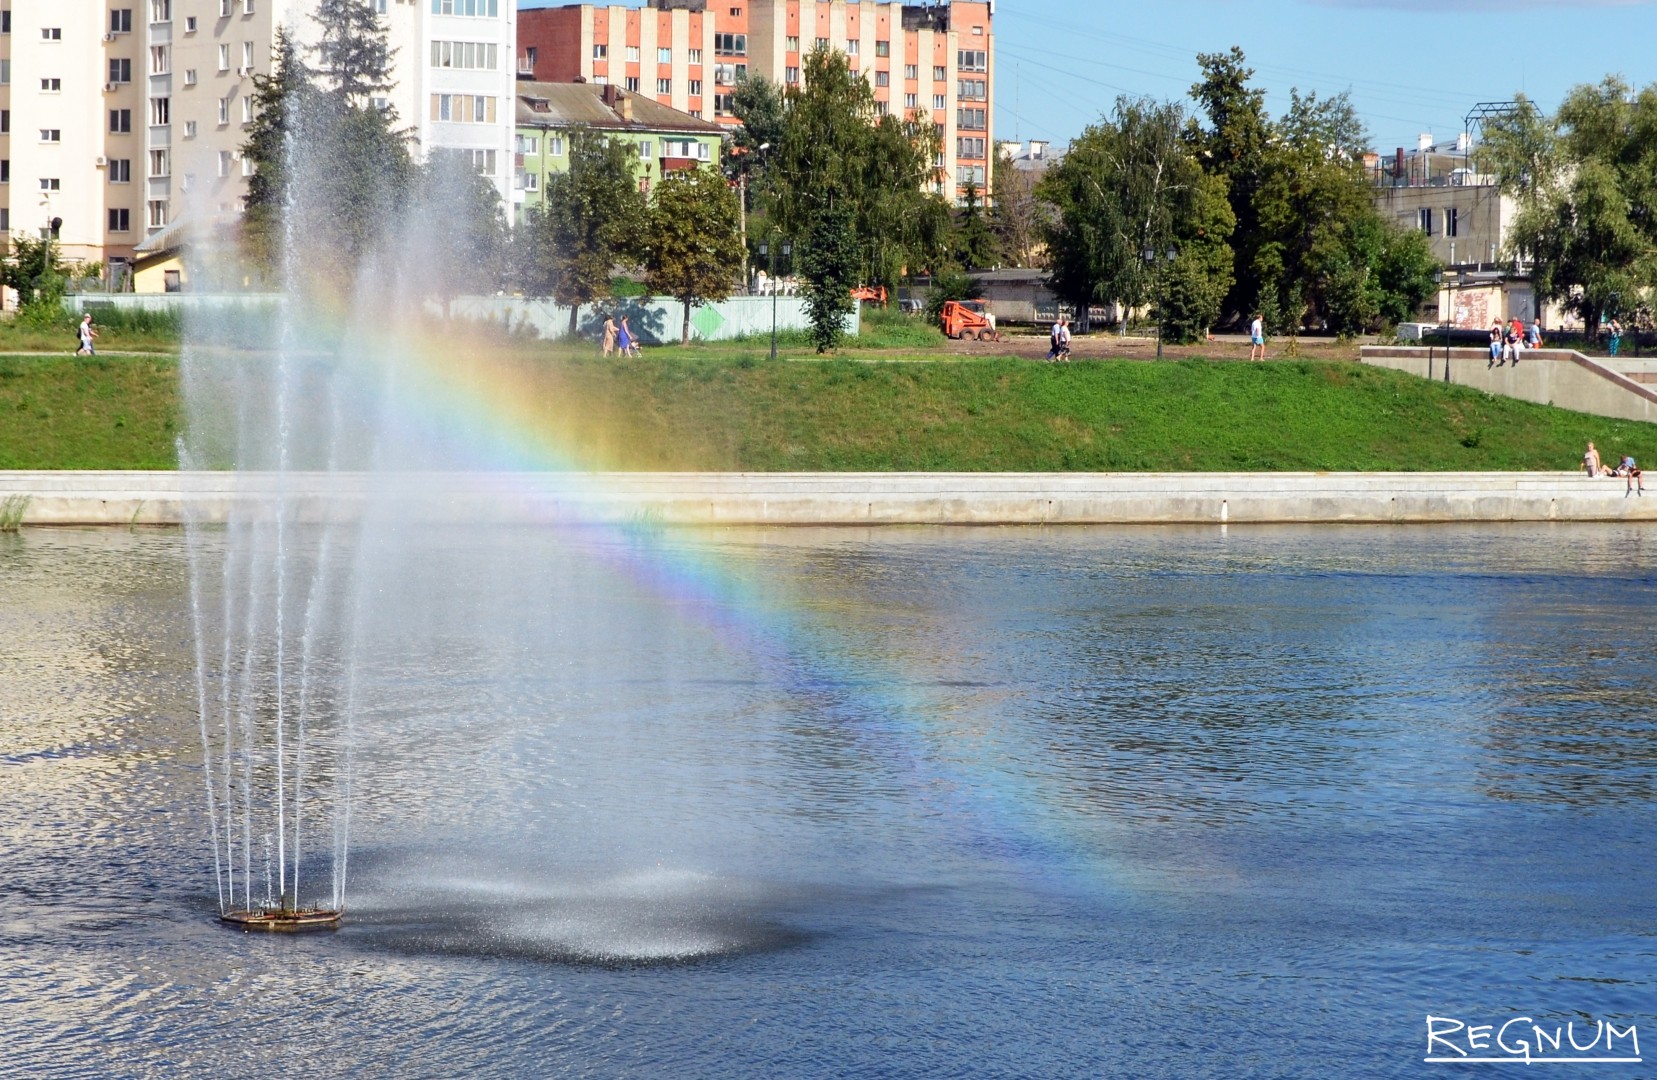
[[1139, 802]]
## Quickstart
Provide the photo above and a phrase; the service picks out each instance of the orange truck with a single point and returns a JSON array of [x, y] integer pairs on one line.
[[968, 319]]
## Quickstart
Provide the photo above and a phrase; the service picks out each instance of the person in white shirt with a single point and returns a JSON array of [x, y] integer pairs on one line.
[[1257, 339]]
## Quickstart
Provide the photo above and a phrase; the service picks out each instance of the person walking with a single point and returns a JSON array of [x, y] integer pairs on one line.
[[1257, 338], [609, 334], [86, 332], [624, 339], [1533, 335]]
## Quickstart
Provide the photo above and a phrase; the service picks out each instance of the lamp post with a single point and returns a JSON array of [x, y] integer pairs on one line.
[[1155, 259], [770, 248]]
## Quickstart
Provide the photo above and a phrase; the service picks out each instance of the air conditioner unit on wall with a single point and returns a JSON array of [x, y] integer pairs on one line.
[[109, 88], [102, 161], [109, 37], [243, 73]]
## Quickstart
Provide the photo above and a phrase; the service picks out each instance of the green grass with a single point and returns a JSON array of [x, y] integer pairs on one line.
[[732, 409]]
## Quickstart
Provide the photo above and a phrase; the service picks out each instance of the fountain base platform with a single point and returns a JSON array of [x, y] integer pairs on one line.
[[284, 920]]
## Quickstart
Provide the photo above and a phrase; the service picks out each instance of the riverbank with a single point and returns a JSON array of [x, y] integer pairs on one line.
[[649, 499], [729, 411]]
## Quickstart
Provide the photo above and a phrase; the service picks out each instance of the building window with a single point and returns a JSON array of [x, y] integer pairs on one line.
[[160, 111], [852, 47], [247, 55], [791, 43], [247, 7], [731, 44], [120, 21], [729, 74], [882, 108], [224, 110], [5, 215], [971, 119], [50, 183], [51, 134], [224, 57], [911, 71], [821, 43], [487, 9], [379, 8], [161, 11], [6, 21], [722, 105], [972, 60], [911, 101], [972, 89], [247, 110], [50, 86], [51, 33], [664, 56], [189, 76], [120, 170], [189, 24], [630, 82], [938, 102], [883, 48], [694, 56], [160, 59], [471, 55], [525, 144], [160, 163], [883, 78], [120, 71], [1452, 220], [939, 73], [645, 148], [120, 121], [969, 174], [631, 55], [601, 52], [224, 163], [791, 75], [1424, 218], [664, 86], [694, 89], [224, 9], [463, 108], [158, 213], [119, 220], [5, 121], [969, 147], [5, 170], [247, 166]]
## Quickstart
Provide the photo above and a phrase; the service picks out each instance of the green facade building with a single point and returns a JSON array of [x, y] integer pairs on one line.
[[547, 113]]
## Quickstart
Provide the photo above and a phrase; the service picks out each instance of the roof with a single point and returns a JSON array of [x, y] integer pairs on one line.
[[602, 108]]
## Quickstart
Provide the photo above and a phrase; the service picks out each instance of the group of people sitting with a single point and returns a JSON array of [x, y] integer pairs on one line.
[[1509, 340], [1592, 465]]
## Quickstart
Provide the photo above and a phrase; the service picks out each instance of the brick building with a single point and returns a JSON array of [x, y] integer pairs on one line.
[[934, 59]]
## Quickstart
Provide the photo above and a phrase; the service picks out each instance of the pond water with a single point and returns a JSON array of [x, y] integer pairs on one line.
[[908, 803]]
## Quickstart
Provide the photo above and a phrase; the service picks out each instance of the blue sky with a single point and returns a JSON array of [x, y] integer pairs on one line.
[[1412, 65]]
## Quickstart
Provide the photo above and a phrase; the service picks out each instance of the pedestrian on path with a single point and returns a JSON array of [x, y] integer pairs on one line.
[[1614, 336], [86, 333], [609, 334], [1257, 338]]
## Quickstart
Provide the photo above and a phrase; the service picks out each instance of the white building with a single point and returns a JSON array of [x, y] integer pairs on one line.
[[118, 116]]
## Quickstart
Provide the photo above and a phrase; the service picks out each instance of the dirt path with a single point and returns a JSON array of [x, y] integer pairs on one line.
[[1114, 347]]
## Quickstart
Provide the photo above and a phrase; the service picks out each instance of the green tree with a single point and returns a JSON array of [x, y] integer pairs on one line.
[[975, 244], [593, 217], [353, 56], [1235, 146], [950, 285], [34, 269], [692, 250], [1016, 216], [1128, 192], [828, 260], [463, 246], [758, 106], [1586, 184]]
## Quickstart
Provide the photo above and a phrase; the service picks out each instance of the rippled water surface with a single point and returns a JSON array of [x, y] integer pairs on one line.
[[1152, 803]]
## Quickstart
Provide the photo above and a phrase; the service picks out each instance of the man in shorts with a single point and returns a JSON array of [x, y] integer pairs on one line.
[[1257, 338]]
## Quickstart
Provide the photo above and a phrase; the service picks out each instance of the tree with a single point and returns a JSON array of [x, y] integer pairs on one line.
[[463, 244], [353, 55], [758, 105], [1128, 192], [829, 262], [593, 216], [975, 245], [1235, 147], [35, 271], [1586, 184], [1016, 217], [692, 250]]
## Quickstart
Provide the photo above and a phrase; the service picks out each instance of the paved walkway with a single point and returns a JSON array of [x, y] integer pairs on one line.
[[168, 498]]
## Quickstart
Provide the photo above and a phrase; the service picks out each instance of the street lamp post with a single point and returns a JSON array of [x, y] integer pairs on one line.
[[1154, 259], [770, 249]]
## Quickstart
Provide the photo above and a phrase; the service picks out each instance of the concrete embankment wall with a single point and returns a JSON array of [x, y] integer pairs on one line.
[[166, 498], [1559, 377]]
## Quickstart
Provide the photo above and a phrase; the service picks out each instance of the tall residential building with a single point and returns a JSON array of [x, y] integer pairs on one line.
[[72, 136], [143, 105], [934, 60]]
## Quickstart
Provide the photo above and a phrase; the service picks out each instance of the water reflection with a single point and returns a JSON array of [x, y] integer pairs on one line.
[[916, 802]]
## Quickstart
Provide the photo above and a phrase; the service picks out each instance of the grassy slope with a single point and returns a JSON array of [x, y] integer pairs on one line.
[[699, 410]]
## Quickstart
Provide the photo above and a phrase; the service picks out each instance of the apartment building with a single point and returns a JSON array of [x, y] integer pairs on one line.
[[666, 139], [933, 60], [143, 106], [72, 125]]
